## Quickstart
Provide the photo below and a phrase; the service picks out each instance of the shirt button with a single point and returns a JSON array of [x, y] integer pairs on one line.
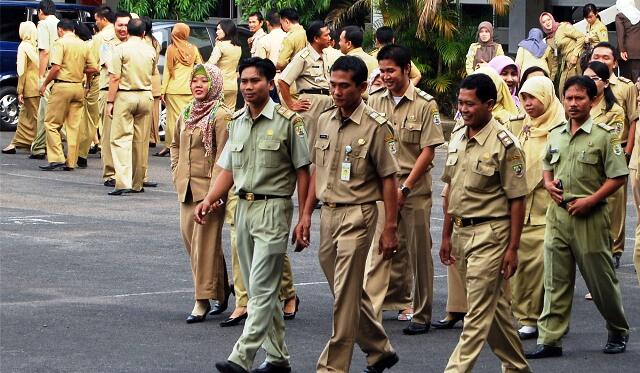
[[328, 186]]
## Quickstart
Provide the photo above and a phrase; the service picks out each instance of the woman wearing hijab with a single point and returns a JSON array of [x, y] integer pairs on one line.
[[505, 108], [533, 51], [226, 54], [543, 112], [484, 49], [27, 63], [175, 92], [510, 74], [200, 136], [566, 44], [628, 32]]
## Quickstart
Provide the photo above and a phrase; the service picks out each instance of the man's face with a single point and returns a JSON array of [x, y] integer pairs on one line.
[[60, 32], [345, 46], [121, 28], [254, 87], [604, 55], [285, 24], [345, 92], [254, 24], [41, 15], [394, 78], [324, 40], [577, 103], [475, 113], [100, 22]]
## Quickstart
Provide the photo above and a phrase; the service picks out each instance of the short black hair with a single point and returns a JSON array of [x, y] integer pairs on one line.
[[483, 85], [136, 27], [47, 7], [273, 17], [354, 34], [230, 30], [258, 15], [290, 14], [264, 66], [105, 12], [602, 71], [354, 65], [314, 30], [66, 25], [589, 8], [584, 82], [384, 35], [606, 44], [527, 72], [399, 54], [82, 30], [122, 14]]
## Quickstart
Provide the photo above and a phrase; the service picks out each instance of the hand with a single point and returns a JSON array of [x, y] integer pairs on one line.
[[86, 91], [388, 245], [554, 192], [624, 55], [573, 61], [300, 105], [445, 253], [201, 211], [110, 110], [509, 262], [587, 40], [301, 237], [21, 99], [163, 101], [580, 206], [401, 200], [43, 89]]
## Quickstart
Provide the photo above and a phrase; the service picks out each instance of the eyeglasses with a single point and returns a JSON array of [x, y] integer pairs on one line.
[[595, 78]]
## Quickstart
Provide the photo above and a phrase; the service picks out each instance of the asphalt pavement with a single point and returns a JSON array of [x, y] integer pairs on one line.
[[95, 283]]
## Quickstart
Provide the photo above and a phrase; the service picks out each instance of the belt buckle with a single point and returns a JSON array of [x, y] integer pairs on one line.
[[249, 196], [331, 204], [458, 221]]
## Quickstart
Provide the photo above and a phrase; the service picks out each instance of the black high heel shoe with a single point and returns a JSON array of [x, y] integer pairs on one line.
[[292, 315], [233, 321], [191, 319], [218, 307]]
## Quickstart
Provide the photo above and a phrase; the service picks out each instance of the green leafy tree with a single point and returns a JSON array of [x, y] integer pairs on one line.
[[187, 10]]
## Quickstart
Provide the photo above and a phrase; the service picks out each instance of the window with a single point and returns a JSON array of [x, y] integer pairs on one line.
[[10, 18], [200, 38]]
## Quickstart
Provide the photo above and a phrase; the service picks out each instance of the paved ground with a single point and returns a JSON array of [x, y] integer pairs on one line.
[[93, 283]]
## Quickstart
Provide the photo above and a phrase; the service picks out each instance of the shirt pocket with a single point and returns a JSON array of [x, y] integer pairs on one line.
[[238, 157], [321, 149], [360, 159], [452, 159], [481, 176], [588, 160], [410, 132], [268, 153]]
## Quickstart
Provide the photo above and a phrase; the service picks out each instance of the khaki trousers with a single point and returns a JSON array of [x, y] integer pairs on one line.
[[399, 295], [618, 211], [634, 178], [38, 146], [65, 106], [456, 291], [527, 287], [174, 105], [319, 103], [204, 248], [27, 123], [130, 138], [108, 170], [91, 118], [480, 251], [231, 98], [584, 241], [263, 235], [345, 240], [154, 136]]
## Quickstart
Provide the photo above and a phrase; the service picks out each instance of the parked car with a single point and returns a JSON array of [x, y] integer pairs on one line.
[[11, 14], [203, 36]]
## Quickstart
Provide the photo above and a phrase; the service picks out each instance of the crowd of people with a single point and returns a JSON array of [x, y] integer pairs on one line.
[[536, 171]]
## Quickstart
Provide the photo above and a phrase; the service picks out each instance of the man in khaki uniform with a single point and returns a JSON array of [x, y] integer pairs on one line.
[[416, 120], [308, 71], [384, 36], [265, 156], [255, 23], [350, 42], [583, 165], [269, 45], [626, 95], [47, 36], [486, 175], [70, 59], [129, 104], [352, 151], [295, 40], [634, 176]]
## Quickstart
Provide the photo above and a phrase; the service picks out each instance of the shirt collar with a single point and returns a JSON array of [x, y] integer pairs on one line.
[[258, 34], [355, 51], [483, 134], [410, 93], [613, 79], [585, 127], [266, 112], [314, 54], [355, 117]]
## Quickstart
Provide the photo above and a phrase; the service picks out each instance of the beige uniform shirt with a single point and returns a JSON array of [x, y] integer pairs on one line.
[[72, 55], [369, 60], [265, 153], [134, 61], [307, 69], [471, 55], [255, 39], [597, 33], [156, 80], [102, 45], [613, 118], [365, 143], [526, 59], [416, 122], [568, 42], [484, 172], [295, 40], [28, 82], [330, 55], [627, 96], [269, 45], [47, 33], [180, 83], [226, 56]]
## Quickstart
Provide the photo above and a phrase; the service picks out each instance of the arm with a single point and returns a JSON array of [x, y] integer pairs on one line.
[[303, 177], [447, 228], [286, 52], [510, 260], [53, 74], [175, 146], [469, 61], [499, 51], [520, 57], [632, 135], [215, 55], [114, 83], [583, 206], [389, 240], [621, 38], [295, 105], [419, 169], [414, 75], [44, 60], [219, 189], [301, 235], [551, 186]]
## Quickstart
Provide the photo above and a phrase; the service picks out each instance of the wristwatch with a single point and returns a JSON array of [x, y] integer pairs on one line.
[[405, 190]]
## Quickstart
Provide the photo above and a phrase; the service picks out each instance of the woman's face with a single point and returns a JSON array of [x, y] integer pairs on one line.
[[199, 86], [532, 105], [600, 84], [219, 33], [591, 18], [547, 22], [484, 35], [510, 76]]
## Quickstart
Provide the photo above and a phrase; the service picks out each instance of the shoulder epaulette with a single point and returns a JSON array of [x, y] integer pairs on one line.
[[328, 109], [380, 119], [505, 139], [517, 118], [238, 113], [285, 112], [557, 125], [424, 94], [457, 128], [624, 80], [605, 127], [377, 90], [305, 52]]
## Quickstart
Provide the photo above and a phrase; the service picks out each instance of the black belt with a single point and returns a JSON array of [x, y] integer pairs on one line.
[[65, 81], [104, 89], [466, 222], [316, 91], [334, 205], [257, 197], [134, 90]]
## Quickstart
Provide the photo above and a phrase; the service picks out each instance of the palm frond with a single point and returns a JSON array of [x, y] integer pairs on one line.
[[428, 11], [501, 6], [344, 11]]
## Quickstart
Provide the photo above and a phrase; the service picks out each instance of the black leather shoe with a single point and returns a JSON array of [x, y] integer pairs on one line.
[[385, 362], [9, 151], [82, 162], [267, 367], [135, 191], [543, 351], [233, 321], [616, 344], [525, 336], [415, 328], [53, 166], [150, 184], [220, 307], [93, 149], [230, 367], [192, 319], [110, 183], [67, 168], [37, 156], [616, 260], [448, 322], [118, 192], [292, 315]]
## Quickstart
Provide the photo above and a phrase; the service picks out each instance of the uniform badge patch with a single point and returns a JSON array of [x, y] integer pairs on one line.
[[391, 143], [269, 132], [617, 149], [299, 128], [518, 169], [436, 117]]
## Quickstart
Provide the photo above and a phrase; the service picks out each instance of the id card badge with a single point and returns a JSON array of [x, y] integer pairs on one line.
[[345, 172]]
